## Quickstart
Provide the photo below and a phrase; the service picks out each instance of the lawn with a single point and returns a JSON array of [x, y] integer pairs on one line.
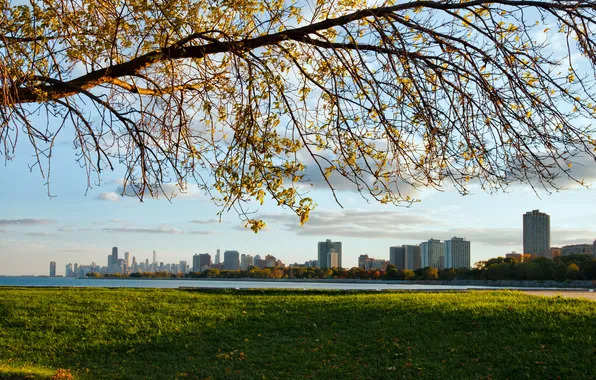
[[168, 334]]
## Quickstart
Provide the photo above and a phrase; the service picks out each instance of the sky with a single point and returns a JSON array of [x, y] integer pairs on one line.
[[80, 225]]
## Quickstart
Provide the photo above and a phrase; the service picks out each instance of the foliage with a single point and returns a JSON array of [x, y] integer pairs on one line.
[[156, 334], [251, 99]]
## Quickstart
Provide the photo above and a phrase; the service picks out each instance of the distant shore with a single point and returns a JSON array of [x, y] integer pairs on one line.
[[579, 284]]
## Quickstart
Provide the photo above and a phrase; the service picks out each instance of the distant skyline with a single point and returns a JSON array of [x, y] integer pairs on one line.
[[78, 227]]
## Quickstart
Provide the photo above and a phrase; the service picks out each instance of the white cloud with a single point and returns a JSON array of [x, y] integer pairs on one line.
[[26, 222], [159, 230], [108, 196]]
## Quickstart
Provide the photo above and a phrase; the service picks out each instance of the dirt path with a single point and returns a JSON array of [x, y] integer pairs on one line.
[[572, 294]]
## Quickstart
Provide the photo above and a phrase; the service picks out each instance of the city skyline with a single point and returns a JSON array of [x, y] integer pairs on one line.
[[35, 229]]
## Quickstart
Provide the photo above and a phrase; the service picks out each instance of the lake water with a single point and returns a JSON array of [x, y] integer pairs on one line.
[[218, 284], [226, 284]]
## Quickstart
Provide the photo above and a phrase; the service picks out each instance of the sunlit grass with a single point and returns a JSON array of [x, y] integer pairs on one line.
[[163, 334]]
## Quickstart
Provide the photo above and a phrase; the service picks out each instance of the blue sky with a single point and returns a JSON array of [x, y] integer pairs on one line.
[[81, 226]]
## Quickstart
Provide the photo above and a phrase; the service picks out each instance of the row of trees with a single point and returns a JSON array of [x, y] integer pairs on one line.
[[576, 267]]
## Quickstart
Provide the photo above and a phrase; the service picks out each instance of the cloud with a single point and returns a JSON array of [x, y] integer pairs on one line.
[[65, 229], [109, 196], [26, 222], [40, 234], [209, 221], [204, 232], [159, 230]]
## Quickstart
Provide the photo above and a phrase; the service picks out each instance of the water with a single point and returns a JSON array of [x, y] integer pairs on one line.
[[218, 284]]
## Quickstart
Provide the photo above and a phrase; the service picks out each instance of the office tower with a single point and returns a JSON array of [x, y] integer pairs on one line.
[[135, 266], [326, 247], [333, 260], [412, 256], [231, 260], [457, 253], [217, 257], [246, 261], [68, 270], [76, 268], [362, 259], [147, 265], [52, 269], [431, 252], [127, 259], [109, 262], [201, 262], [114, 255], [183, 267], [397, 257], [154, 257], [536, 233]]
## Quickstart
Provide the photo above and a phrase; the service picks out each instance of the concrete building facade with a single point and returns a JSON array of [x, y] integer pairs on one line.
[[326, 247], [457, 253], [536, 233], [231, 260], [431, 252]]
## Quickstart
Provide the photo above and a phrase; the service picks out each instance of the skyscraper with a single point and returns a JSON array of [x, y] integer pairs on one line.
[[231, 260], [397, 257], [127, 259], [114, 255], [326, 247], [431, 252], [457, 253], [333, 260], [412, 256], [52, 269], [217, 257], [536, 233], [201, 262]]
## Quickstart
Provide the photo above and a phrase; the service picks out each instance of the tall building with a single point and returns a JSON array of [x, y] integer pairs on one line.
[[231, 260], [457, 253], [333, 260], [201, 262], [68, 270], [114, 255], [217, 257], [52, 269], [127, 259], [431, 252], [246, 261], [397, 257], [576, 249], [154, 257], [536, 233], [326, 247], [412, 256]]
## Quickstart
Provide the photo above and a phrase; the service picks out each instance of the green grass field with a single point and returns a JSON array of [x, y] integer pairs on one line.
[[168, 334]]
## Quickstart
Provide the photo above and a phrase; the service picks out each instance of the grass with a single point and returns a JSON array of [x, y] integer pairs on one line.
[[169, 334]]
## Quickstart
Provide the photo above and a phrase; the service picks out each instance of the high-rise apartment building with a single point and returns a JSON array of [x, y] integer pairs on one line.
[[431, 252], [333, 260], [201, 262], [412, 256], [396, 257], [68, 270], [231, 260], [536, 233], [52, 269], [326, 247], [246, 261], [457, 253]]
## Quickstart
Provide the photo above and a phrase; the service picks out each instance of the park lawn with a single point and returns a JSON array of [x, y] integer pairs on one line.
[[167, 334]]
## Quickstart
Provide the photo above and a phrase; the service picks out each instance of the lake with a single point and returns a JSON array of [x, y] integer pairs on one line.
[[220, 284]]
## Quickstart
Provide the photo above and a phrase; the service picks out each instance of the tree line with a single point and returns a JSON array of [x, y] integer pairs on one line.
[[575, 267]]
